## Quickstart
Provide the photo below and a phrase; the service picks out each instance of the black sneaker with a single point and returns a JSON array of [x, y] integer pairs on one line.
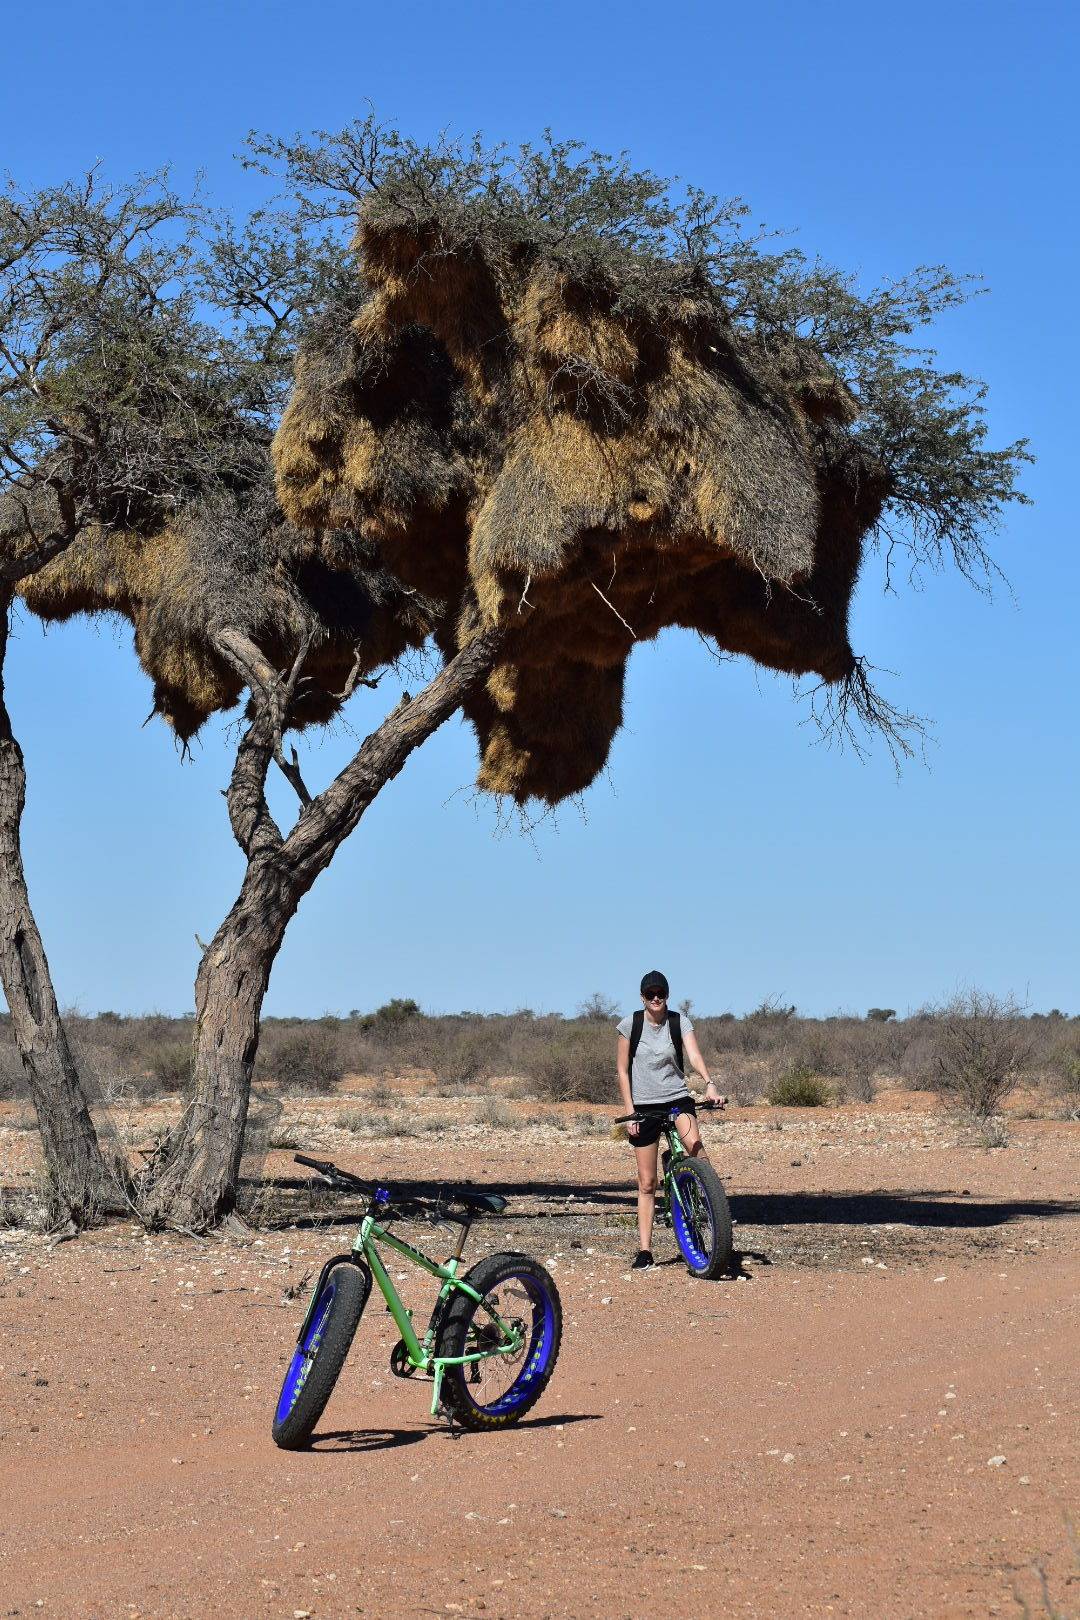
[[644, 1260]]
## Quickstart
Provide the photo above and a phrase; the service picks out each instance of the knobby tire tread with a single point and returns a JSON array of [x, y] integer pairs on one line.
[[719, 1209], [485, 1276], [353, 1285]]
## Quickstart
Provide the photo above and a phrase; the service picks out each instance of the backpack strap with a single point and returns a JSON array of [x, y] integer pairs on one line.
[[637, 1024], [675, 1026]]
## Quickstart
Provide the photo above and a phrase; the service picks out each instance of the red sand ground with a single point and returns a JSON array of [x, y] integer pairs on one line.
[[821, 1437]]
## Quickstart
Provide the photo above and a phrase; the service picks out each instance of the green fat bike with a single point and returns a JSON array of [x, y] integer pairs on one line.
[[492, 1339], [693, 1203]]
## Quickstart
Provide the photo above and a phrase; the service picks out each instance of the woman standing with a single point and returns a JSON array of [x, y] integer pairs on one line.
[[650, 1057]]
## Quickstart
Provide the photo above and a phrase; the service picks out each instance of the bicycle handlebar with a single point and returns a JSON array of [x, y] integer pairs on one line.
[[624, 1119], [388, 1203], [330, 1172]]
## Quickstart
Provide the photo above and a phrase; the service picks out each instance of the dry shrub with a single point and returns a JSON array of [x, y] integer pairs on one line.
[[981, 1047], [742, 1080], [12, 1078], [170, 1064], [496, 1115], [467, 1057], [917, 1064], [798, 1088], [1066, 1071], [857, 1054], [576, 1065], [306, 1057]]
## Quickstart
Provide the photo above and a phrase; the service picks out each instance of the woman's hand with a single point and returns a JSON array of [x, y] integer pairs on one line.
[[714, 1096], [632, 1127]]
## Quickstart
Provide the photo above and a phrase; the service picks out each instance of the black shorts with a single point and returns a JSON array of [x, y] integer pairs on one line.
[[654, 1118]]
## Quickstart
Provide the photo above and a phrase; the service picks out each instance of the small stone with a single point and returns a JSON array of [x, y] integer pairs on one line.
[[788, 1457], [558, 1513], [995, 1462]]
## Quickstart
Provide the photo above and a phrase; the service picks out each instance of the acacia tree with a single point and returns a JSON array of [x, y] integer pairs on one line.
[[532, 380], [82, 268]]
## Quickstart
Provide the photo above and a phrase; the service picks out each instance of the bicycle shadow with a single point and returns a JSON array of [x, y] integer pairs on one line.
[[333, 1441]]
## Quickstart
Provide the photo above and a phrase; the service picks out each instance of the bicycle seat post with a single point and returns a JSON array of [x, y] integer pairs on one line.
[[463, 1234]]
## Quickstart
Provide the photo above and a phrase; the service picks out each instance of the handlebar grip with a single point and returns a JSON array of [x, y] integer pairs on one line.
[[312, 1164], [624, 1119]]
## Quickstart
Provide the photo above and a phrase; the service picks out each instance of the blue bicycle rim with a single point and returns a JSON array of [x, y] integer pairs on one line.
[[304, 1356], [688, 1239], [538, 1354]]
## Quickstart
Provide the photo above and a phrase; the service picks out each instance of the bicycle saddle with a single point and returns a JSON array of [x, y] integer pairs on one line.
[[494, 1203]]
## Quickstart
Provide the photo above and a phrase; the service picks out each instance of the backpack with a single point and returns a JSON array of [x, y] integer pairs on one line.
[[637, 1024]]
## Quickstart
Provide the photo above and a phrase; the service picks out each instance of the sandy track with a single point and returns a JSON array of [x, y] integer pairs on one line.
[[811, 1440]]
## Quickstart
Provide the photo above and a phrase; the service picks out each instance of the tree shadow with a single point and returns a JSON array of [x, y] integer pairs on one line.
[[900, 1208], [908, 1207]]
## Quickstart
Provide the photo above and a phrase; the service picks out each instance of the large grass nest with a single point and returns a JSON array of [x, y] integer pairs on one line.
[[578, 464], [232, 562]]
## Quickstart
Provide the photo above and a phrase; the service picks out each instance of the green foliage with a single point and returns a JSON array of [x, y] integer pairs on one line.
[[880, 1015], [799, 1088], [648, 243], [387, 1018], [119, 400]]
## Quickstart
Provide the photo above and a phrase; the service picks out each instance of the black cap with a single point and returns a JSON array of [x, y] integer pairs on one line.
[[655, 984]]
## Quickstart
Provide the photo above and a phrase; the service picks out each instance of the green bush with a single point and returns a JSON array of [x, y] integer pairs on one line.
[[799, 1088]]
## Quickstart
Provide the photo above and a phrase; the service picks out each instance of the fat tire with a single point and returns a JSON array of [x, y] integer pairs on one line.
[[712, 1188], [352, 1285], [453, 1331]]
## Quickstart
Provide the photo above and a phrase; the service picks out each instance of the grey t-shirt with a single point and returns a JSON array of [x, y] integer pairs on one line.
[[655, 1077]]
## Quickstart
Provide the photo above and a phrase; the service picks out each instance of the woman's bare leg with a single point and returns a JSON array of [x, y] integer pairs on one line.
[[646, 1195], [687, 1127]]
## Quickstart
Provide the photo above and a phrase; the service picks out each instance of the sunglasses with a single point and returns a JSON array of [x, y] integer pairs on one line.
[[655, 996]]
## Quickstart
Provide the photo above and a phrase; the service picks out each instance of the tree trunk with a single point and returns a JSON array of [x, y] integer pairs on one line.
[[81, 1185], [197, 1184]]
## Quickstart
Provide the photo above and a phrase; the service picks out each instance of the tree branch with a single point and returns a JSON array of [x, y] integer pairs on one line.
[[276, 694], [331, 817], [249, 815]]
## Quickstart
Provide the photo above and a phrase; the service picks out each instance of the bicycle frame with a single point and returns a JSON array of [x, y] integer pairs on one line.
[[421, 1352], [676, 1151]]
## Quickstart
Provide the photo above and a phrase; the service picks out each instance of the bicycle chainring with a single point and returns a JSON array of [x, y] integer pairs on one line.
[[400, 1365]]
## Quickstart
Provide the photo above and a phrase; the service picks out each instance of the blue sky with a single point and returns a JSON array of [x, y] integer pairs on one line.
[[723, 845]]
